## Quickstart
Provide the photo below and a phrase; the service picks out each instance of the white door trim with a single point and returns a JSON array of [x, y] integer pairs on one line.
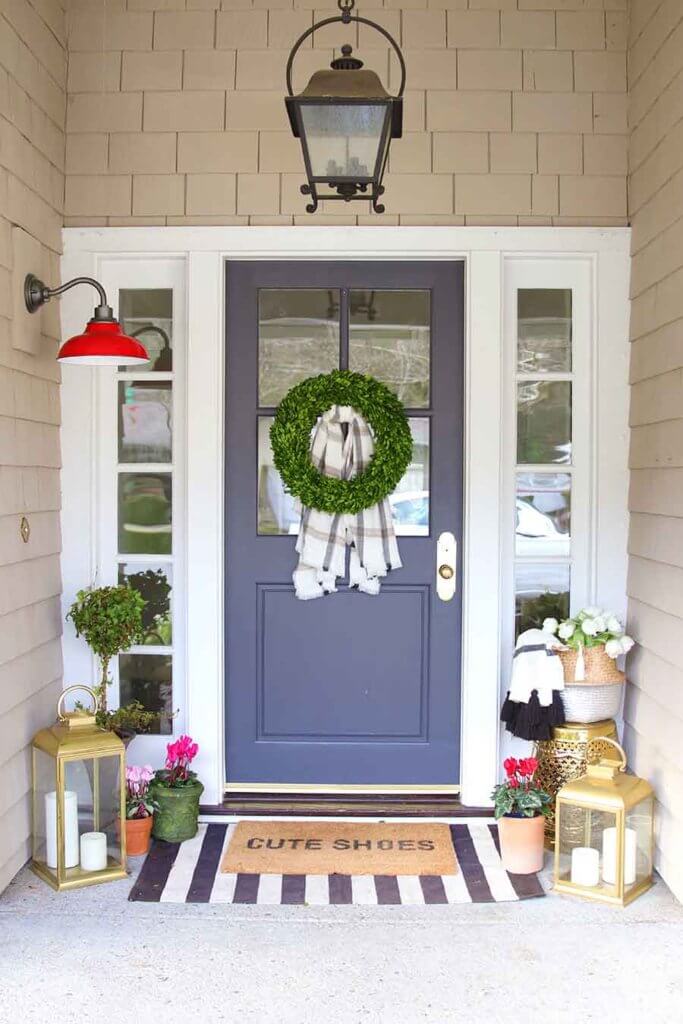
[[205, 250]]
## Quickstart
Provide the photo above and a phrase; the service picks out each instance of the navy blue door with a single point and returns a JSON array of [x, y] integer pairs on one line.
[[347, 689]]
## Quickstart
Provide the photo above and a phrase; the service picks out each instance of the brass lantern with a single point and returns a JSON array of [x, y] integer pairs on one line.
[[79, 800], [604, 833], [345, 120]]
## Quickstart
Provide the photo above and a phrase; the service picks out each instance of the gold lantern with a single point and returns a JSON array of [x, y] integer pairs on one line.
[[79, 800], [604, 833]]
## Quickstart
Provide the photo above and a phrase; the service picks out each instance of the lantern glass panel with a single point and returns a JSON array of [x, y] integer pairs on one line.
[[584, 828], [44, 783], [343, 139], [638, 842], [96, 783]]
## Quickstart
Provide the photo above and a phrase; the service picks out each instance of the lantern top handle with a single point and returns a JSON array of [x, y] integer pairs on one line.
[[61, 714], [345, 18], [612, 743]]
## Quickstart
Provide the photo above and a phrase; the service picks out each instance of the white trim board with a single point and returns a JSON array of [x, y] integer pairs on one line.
[[488, 252]]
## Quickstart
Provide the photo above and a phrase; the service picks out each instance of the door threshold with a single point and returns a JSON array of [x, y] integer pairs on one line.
[[357, 805]]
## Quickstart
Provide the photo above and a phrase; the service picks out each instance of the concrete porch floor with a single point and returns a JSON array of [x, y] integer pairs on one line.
[[90, 955]]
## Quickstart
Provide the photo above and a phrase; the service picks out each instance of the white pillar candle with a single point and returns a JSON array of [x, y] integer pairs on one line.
[[70, 829], [585, 866], [93, 851], [609, 856]]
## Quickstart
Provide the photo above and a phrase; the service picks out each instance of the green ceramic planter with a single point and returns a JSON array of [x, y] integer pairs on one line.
[[176, 818]]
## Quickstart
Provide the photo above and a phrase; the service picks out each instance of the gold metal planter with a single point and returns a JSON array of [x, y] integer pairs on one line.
[[564, 758]]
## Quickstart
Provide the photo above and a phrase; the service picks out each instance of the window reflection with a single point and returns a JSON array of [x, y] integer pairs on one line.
[[145, 513], [542, 514], [145, 421], [541, 592], [389, 338], [544, 422], [298, 338]]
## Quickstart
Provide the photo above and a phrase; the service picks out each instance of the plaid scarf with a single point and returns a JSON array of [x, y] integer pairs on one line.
[[342, 447]]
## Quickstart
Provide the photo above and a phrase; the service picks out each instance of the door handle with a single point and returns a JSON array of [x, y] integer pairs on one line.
[[446, 566]]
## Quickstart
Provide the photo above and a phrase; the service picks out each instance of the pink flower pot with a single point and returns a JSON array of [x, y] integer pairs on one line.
[[521, 844]]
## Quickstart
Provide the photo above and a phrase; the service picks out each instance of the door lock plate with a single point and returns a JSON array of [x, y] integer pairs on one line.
[[446, 562]]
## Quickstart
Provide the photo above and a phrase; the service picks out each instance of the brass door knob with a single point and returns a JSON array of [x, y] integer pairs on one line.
[[446, 572]]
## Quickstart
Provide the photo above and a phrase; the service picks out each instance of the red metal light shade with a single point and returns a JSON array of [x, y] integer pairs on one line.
[[103, 343]]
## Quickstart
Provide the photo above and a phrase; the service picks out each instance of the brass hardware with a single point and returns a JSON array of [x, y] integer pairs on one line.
[[446, 562], [25, 529], [73, 719]]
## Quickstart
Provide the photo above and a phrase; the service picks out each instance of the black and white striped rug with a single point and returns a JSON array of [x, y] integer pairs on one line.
[[190, 873]]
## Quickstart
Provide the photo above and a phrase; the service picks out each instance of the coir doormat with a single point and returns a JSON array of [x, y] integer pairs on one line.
[[340, 847], [190, 873]]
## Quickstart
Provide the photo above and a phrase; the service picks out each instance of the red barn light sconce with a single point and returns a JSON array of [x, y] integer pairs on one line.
[[102, 343], [345, 120]]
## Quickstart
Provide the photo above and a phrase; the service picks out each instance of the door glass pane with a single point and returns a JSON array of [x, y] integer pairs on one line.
[[541, 592], [410, 501], [298, 337], [147, 314], [544, 422], [145, 421], [542, 510], [147, 678], [145, 513], [279, 512], [153, 582], [544, 330], [389, 338]]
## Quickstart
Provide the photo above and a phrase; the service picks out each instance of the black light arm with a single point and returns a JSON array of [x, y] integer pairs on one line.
[[36, 294]]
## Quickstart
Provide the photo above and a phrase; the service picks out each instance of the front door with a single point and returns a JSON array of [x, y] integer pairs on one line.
[[348, 689]]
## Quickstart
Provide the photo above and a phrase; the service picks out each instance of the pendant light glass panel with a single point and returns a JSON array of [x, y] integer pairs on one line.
[[345, 140]]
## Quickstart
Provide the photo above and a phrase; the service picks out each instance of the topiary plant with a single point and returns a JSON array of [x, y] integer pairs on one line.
[[110, 621]]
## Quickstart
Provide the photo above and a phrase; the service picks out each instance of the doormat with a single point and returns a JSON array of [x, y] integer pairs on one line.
[[190, 873], [340, 847]]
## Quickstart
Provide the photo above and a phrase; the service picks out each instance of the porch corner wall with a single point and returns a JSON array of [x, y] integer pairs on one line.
[[33, 67], [654, 703]]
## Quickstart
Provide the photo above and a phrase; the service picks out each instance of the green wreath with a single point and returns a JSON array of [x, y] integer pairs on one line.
[[290, 437]]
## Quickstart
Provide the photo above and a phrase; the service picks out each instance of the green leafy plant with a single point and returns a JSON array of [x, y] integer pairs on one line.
[[519, 796], [290, 437], [131, 718], [110, 621]]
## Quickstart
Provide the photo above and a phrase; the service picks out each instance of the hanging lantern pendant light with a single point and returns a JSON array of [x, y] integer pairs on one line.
[[345, 120]]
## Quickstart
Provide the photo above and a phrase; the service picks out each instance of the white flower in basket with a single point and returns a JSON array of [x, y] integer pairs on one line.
[[593, 639]]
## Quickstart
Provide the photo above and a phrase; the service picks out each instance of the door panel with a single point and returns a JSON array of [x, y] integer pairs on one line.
[[347, 689]]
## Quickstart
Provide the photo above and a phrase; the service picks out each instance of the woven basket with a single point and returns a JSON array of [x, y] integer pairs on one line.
[[586, 704], [599, 669]]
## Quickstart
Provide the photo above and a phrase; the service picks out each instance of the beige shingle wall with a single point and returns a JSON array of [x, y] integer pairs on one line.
[[654, 708], [515, 111], [32, 103]]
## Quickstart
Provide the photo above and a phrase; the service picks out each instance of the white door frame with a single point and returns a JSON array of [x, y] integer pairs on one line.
[[486, 251]]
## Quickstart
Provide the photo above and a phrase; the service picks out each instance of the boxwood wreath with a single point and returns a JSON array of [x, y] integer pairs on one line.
[[290, 438]]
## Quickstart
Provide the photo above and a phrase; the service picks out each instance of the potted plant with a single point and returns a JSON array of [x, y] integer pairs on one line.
[[140, 806], [176, 791], [592, 641], [110, 620], [520, 807]]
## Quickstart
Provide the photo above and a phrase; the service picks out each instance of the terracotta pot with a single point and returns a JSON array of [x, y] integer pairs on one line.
[[138, 832], [521, 844]]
